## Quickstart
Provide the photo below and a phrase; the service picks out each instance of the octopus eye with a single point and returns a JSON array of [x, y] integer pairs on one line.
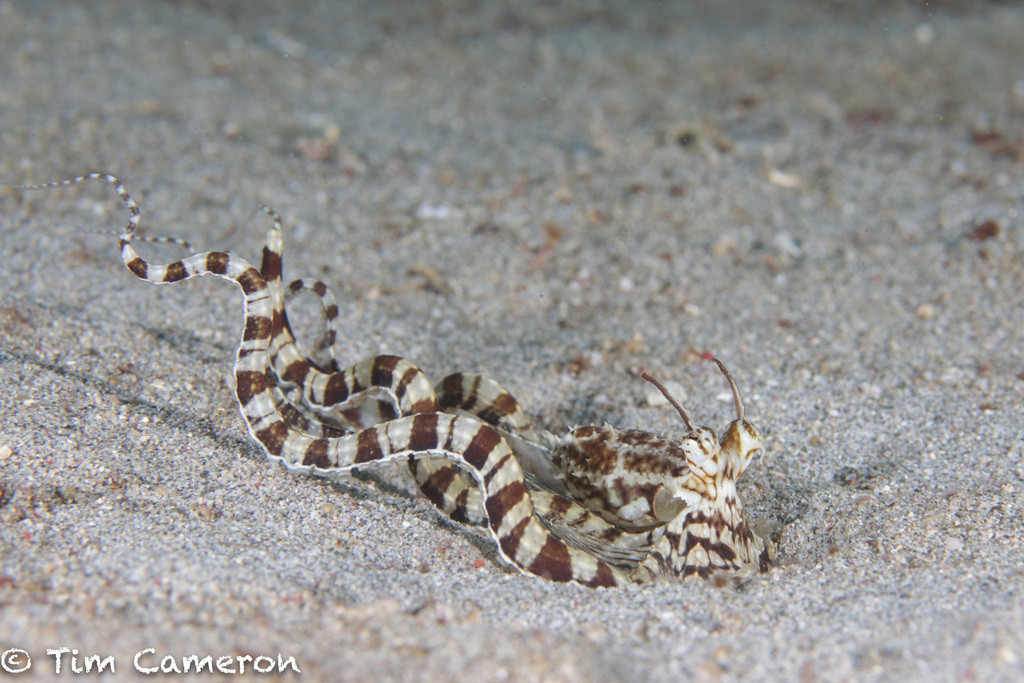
[[667, 506]]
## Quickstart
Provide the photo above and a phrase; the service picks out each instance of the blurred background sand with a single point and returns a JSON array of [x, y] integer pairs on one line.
[[827, 196]]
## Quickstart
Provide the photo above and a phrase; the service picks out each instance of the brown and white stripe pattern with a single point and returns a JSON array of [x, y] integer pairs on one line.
[[582, 529], [446, 485], [712, 533], [632, 479], [522, 538], [323, 349], [400, 382], [385, 387], [468, 392], [477, 454], [371, 392], [453, 488]]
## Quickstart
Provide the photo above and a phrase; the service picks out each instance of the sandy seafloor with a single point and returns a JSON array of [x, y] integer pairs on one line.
[[830, 197]]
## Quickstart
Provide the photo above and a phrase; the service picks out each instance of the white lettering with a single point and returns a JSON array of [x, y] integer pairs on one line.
[[223, 664], [193, 660], [290, 662], [174, 664], [266, 668], [168, 665], [139, 667], [57, 655], [100, 664]]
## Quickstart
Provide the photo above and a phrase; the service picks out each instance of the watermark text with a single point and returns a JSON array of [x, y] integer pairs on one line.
[[149, 660]]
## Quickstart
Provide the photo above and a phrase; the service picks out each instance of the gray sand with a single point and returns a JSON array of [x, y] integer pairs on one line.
[[829, 198]]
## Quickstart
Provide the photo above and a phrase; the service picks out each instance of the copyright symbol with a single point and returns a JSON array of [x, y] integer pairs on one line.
[[15, 661]]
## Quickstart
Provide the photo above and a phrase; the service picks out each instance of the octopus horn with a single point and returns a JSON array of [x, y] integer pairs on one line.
[[675, 404], [732, 383]]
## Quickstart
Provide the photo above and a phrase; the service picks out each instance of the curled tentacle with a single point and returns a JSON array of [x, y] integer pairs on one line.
[[523, 540], [571, 516]]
